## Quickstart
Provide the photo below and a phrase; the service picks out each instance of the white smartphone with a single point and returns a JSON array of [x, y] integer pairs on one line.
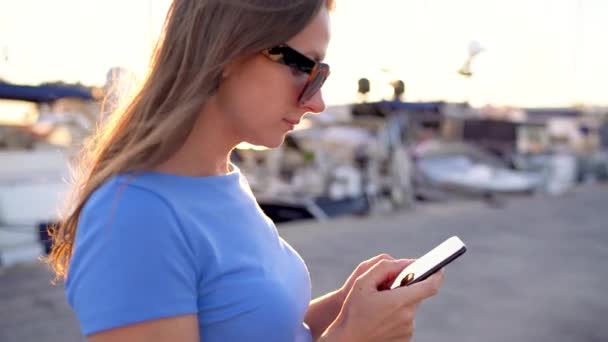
[[430, 263]]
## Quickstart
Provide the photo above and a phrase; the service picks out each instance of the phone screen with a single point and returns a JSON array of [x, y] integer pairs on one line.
[[431, 262]]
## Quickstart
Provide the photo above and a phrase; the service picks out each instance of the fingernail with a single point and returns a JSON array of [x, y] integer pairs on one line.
[[405, 281]]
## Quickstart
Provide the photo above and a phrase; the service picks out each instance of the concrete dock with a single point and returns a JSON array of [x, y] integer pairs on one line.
[[534, 270]]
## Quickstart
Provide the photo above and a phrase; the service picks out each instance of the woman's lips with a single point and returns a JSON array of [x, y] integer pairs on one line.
[[292, 122]]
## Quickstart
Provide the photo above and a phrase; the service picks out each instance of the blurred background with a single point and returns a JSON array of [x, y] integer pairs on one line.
[[483, 119]]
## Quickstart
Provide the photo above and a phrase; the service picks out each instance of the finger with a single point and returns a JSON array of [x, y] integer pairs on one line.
[[406, 262], [436, 279], [367, 264], [406, 324], [380, 272], [411, 328], [410, 325], [389, 281], [374, 260], [431, 285]]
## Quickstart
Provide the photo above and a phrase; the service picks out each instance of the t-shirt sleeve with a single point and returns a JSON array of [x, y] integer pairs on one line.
[[132, 261]]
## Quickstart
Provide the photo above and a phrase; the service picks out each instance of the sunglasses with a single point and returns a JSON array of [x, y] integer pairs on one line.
[[317, 71]]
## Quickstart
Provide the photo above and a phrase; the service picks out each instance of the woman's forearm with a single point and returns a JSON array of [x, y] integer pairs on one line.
[[322, 312]]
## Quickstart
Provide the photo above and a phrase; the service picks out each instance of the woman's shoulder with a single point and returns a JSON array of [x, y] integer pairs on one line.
[[122, 201], [127, 190]]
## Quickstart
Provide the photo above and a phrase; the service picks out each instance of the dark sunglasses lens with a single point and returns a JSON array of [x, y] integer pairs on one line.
[[314, 84]]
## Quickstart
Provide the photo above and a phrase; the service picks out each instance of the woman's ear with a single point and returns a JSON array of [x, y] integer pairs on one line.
[[227, 70], [232, 67]]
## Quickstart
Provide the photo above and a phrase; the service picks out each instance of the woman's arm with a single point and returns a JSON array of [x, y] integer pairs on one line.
[[323, 311], [179, 328]]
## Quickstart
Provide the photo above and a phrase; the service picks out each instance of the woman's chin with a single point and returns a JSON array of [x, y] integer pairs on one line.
[[268, 142], [274, 144]]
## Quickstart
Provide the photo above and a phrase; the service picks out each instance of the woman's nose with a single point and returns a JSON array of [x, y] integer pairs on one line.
[[316, 104]]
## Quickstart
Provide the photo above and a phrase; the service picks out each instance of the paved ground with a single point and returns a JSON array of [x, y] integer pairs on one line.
[[534, 271]]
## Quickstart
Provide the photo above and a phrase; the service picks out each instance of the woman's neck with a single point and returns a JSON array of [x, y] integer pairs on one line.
[[206, 151]]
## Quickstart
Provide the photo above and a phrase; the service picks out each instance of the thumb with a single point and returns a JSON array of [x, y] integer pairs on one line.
[[417, 292]]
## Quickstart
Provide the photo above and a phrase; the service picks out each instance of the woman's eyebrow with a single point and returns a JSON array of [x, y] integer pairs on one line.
[[315, 55]]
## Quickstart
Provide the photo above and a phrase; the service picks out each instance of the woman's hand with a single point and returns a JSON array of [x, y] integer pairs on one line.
[[360, 270], [370, 314], [323, 311]]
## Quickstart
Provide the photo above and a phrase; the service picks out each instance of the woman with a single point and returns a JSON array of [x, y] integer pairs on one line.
[[164, 240]]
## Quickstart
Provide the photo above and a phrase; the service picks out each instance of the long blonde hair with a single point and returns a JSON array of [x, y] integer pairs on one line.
[[199, 38]]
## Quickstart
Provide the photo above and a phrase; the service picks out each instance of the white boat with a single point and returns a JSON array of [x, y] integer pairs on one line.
[[34, 164], [463, 169], [32, 188]]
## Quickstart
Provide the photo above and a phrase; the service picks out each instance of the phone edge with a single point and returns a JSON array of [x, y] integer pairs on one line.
[[439, 266]]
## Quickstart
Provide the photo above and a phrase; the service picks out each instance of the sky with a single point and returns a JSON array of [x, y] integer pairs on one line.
[[537, 52]]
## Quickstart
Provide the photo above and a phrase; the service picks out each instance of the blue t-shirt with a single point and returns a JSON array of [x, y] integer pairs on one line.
[[154, 245]]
